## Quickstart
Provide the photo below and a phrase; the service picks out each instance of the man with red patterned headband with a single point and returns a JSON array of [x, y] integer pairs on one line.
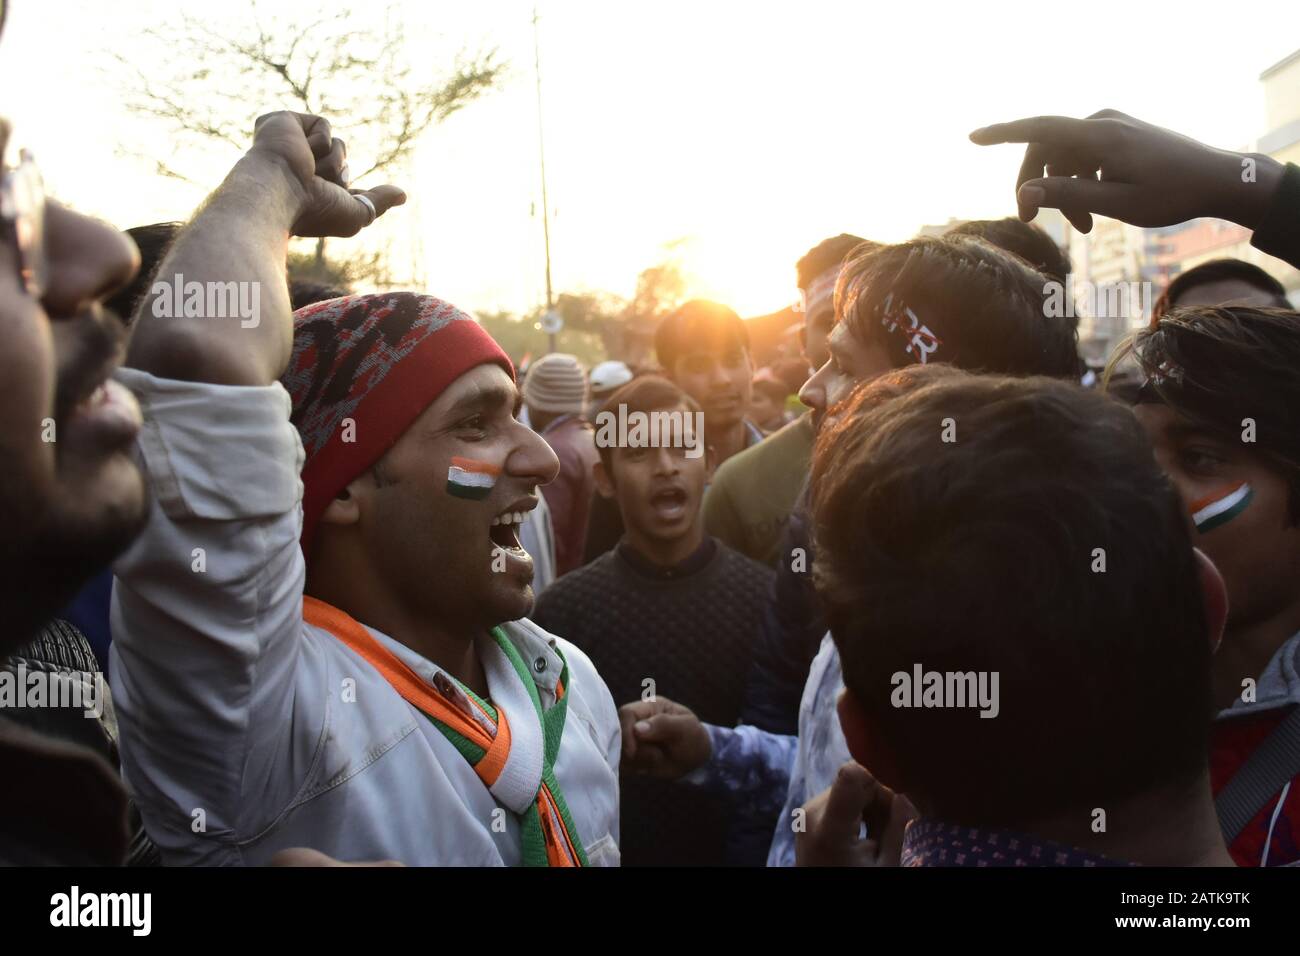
[[342, 661]]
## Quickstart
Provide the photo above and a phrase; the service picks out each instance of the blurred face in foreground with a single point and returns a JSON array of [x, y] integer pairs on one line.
[[71, 496]]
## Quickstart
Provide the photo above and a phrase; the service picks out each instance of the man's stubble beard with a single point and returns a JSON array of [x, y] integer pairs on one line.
[[43, 569]]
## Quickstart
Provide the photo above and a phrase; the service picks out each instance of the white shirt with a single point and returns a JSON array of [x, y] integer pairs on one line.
[[822, 748], [537, 537], [245, 730]]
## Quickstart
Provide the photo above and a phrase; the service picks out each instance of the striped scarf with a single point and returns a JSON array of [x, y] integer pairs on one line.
[[478, 731]]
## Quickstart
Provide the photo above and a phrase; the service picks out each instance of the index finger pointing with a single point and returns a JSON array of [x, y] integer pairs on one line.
[[1031, 167], [1051, 130]]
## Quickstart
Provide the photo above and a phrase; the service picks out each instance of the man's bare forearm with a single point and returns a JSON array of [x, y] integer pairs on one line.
[[239, 235]]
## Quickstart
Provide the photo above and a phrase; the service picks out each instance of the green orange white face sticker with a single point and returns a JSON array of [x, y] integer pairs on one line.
[[471, 478], [1221, 507]]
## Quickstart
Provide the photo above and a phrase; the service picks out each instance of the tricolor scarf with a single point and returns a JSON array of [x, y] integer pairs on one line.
[[1221, 507], [479, 731]]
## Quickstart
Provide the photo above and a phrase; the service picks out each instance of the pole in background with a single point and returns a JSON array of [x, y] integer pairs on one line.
[[551, 321]]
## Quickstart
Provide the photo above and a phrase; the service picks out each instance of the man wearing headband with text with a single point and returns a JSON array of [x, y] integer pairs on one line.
[[342, 661], [957, 301]]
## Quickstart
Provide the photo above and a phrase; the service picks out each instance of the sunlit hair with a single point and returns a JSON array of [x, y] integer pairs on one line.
[[825, 255], [986, 307], [698, 325], [979, 555], [1220, 366]]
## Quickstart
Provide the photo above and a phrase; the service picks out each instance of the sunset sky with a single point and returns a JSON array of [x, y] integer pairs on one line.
[[738, 133]]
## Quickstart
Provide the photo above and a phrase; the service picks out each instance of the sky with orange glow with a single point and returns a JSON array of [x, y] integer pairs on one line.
[[739, 134]]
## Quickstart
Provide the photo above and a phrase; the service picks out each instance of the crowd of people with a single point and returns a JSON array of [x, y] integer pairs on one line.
[[336, 582]]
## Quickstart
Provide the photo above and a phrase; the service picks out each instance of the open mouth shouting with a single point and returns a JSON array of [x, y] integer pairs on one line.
[[669, 503], [503, 533]]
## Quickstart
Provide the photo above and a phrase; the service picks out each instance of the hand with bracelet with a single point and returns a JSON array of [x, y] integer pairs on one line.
[[292, 181]]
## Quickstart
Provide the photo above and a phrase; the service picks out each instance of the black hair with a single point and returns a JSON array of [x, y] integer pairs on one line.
[[1219, 366], [699, 324], [980, 555], [153, 241], [1219, 270], [1021, 239], [984, 309], [824, 256]]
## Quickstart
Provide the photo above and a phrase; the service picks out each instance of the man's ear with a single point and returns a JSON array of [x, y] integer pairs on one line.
[[865, 746], [1214, 596], [345, 508], [604, 483]]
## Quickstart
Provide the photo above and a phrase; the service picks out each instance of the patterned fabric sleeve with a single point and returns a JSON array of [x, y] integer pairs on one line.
[[751, 765]]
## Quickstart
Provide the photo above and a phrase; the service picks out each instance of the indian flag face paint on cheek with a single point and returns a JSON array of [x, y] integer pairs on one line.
[[471, 478], [1221, 507]]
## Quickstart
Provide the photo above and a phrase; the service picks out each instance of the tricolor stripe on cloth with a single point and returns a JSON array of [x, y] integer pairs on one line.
[[479, 731], [1221, 507], [471, 478]]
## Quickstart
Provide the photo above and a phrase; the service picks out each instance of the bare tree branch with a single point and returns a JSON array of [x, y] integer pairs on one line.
[[205, 83]]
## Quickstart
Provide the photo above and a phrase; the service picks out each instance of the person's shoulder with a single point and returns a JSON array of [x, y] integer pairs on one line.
[[574, 442], [575, 430], [794, 439]]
